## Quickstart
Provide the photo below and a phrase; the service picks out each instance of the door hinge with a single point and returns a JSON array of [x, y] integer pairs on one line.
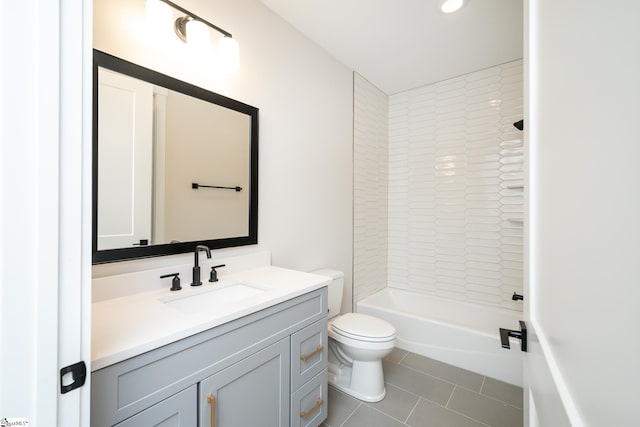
[[78, 375]]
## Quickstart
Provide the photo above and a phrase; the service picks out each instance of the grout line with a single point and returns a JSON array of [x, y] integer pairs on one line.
[[384, 413], [482, 386], [412, 410], [434, 377], [351, 414], [403, 357], [467, 417], [450, 396], [495, 399]]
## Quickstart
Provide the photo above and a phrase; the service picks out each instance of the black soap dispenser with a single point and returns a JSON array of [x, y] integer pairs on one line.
[[175, 283]]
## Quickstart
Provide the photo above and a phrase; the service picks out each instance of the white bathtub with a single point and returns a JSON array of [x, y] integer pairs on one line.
[[458, 333]]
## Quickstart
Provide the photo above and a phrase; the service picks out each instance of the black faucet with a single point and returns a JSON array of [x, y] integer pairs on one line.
[[196, 268]]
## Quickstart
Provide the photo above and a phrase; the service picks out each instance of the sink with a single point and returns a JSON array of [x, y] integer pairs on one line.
[[212, 297]]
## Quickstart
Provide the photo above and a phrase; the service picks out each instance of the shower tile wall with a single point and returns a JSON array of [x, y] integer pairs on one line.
[[455, 188], [370, 189]]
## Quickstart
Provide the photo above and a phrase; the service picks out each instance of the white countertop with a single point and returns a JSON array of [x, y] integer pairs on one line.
[[127, 326]]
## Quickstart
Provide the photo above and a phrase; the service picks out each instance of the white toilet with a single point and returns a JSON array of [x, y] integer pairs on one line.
[[357, 344]]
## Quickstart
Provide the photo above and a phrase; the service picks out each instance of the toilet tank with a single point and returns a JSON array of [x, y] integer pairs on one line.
[[335, 288]]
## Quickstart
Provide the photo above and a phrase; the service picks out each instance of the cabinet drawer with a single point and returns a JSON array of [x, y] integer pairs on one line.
[[309, 403], [177, 410], [308, 353]]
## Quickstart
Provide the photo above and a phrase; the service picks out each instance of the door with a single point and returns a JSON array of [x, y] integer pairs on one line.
[[45, 226], [252, 392], [582, 267], [125, 132]]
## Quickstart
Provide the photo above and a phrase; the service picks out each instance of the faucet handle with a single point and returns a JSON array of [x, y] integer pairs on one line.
[[213, 276], [175, 283]]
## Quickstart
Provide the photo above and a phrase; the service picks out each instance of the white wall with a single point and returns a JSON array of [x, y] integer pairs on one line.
[[455, 226], [585, 204], [305, 100], [370, 181]]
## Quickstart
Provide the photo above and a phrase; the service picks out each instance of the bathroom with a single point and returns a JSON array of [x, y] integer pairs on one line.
[[307, 167]]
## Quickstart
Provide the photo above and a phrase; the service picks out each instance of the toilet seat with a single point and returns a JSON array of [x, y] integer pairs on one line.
[[361, 327]]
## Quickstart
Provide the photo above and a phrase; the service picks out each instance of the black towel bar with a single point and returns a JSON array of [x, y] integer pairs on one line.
[[195, 186]]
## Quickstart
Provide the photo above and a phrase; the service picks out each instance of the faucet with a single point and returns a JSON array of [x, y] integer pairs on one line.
[[196, 268]]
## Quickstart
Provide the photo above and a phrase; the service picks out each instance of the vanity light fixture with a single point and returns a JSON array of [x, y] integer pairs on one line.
[[450, 6], [193, 30]]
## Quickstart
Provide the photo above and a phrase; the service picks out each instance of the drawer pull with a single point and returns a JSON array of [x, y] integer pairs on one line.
[[318, 404], [212, 403], [305, 357]]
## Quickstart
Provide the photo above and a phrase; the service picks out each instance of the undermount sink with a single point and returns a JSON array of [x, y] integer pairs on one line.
[[212, 297]]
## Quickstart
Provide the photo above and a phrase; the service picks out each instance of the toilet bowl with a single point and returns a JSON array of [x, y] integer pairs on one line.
[[357, 344]]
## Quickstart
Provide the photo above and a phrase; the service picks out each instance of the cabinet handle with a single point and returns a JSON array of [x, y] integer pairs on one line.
[[212, 403], [305, 357], [318, 404]]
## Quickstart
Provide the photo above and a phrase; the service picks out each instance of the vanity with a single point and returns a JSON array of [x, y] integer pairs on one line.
[[247, 350], [257, 357]]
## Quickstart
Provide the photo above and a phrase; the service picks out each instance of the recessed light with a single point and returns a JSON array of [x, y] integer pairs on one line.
[[450, 6]]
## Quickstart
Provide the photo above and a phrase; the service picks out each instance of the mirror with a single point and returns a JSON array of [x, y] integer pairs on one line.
[[174, 165]]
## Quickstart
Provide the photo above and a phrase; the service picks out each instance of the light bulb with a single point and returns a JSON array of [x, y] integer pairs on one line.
[[450, 6], [198, 35], [229, 54]]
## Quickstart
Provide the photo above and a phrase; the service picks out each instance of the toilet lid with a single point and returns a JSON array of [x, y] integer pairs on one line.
[[363, 327]]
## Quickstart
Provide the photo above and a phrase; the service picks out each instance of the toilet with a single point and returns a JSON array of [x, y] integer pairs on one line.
[[357, 344]]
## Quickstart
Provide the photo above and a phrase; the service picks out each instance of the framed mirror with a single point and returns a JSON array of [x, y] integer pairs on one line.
[[174, 165]]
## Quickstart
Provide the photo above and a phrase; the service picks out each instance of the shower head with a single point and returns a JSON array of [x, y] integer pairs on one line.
[[519, 124]]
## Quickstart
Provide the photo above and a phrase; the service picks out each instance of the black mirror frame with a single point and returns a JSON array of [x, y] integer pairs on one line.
[[104, 60]]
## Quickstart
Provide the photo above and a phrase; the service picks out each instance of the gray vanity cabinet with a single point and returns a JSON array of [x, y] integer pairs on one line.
[[253, 392], [243, 367]]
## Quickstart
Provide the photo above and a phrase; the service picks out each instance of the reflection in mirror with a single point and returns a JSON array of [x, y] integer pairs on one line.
[[174, 165]]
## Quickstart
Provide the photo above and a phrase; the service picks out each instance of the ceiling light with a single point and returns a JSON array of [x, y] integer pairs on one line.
[[450, 6]]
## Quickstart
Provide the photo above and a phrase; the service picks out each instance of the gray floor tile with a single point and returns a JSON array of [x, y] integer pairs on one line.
[[444, 371], [366, 416], [396, 355], [415, 382], [397, 403], [339, 407], [485, 409], [511, 394], [428, 414]]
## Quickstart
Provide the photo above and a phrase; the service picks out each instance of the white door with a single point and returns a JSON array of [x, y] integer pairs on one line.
[[45, 223], [125, 150], [583, 260]]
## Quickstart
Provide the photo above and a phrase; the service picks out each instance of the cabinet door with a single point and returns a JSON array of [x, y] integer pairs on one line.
[[178, 410], [253, 392]]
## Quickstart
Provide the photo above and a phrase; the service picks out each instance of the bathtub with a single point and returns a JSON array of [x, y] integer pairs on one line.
[[458, 333]]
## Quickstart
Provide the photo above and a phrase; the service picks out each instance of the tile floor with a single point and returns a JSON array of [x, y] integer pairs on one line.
[[423, 392]]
